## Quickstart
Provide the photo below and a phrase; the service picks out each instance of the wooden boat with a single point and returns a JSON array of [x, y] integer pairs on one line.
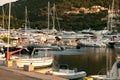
[[65, 72]]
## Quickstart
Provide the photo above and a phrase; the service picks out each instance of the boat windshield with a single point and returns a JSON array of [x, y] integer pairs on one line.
[[63, 66]]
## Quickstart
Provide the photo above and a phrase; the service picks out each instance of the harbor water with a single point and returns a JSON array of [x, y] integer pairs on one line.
[[91, 60]]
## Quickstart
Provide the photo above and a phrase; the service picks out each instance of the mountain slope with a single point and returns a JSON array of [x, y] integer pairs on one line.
[[37, 13]]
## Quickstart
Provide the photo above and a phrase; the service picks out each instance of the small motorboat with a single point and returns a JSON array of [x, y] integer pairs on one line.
[[65, 72]]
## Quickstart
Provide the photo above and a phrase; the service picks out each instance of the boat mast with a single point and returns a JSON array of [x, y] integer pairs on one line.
[[58, 21], [112, 15], [9, 26], [3, 15], [25, 18], [53, 17], [108, 22], [48, 15]]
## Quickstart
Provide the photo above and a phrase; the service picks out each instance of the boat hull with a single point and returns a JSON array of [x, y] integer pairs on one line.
[[69, 75], [104, 77], [36, 62]]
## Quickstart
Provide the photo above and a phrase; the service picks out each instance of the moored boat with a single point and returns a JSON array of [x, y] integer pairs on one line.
[[65, 72], [113, 74], [37, 59]]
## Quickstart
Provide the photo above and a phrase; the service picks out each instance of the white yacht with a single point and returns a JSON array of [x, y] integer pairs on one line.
[[91, 43], [37, 59]]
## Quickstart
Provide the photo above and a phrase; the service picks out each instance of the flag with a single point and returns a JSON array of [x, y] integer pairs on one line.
[[3, 2]]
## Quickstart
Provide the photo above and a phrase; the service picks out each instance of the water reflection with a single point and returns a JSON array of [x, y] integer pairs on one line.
[[91, 60]]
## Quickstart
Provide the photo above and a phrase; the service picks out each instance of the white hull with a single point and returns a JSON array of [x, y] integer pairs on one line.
[[41, 60], [113, 74], [69, 74], [36, 62], [104, 77], [92, 43]]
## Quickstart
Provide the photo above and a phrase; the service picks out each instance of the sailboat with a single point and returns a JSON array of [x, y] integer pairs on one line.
[[112, 35], [38, 58], [2, 3], [113, 74], [48, 30]]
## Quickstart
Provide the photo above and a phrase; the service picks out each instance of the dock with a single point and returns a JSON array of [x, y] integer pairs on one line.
[[13, 73]]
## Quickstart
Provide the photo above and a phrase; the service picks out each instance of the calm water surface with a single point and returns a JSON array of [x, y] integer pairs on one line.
[[91, 60]]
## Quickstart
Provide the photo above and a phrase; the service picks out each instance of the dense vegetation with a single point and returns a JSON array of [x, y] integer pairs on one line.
[[37, 14]]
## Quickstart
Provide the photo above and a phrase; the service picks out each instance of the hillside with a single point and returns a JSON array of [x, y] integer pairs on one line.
[[37, 13]]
